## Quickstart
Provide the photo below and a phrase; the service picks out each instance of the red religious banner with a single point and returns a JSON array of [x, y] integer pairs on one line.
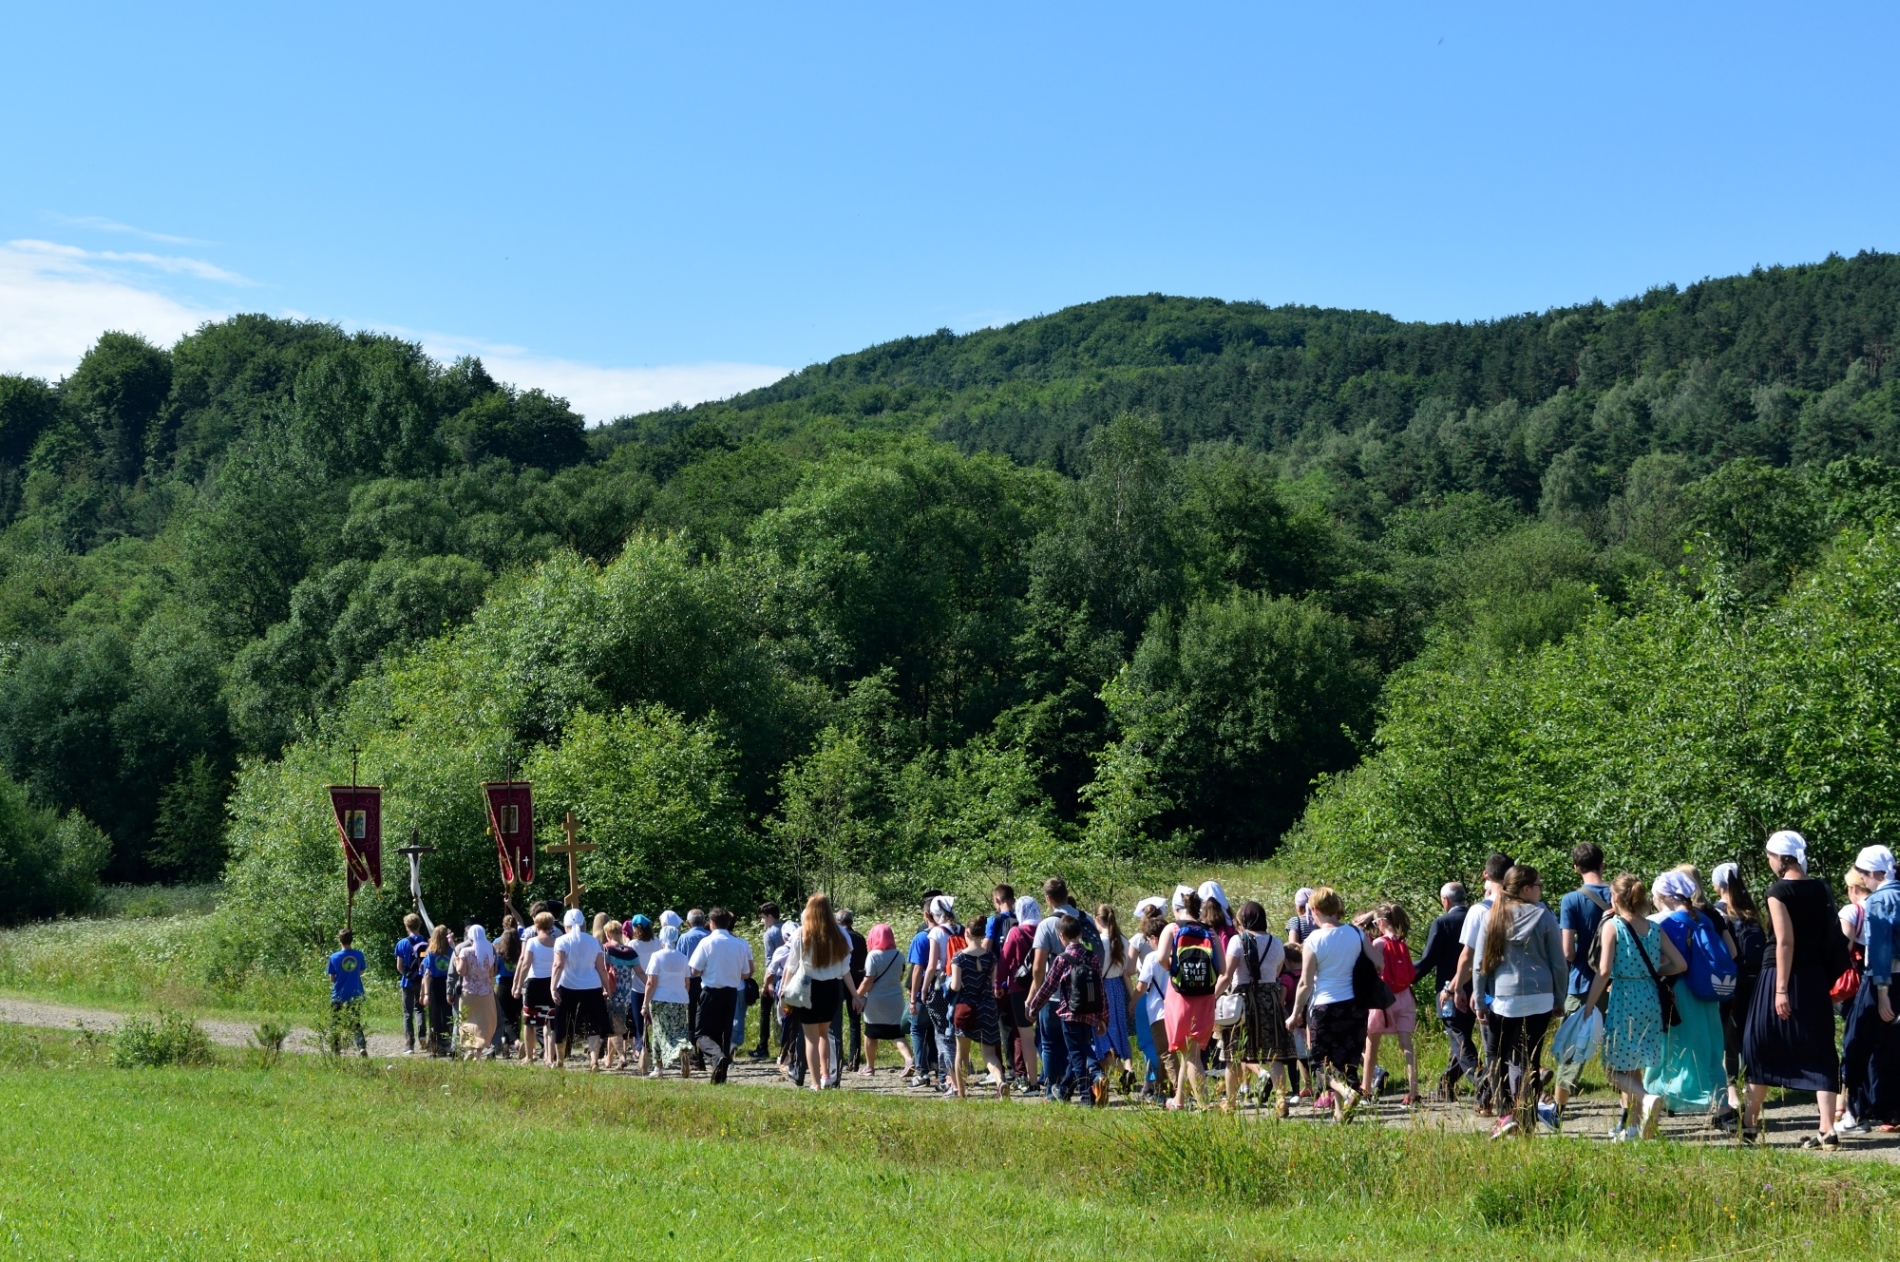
[[511, 819], [359, 822]]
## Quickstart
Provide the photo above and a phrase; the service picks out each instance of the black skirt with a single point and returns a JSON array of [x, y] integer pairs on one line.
[[1336, 1035], [825, 998], [1799, 1053], [1870, 1050], [884, 1033]]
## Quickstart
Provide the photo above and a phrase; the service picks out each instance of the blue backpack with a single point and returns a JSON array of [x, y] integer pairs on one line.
[[1712, 970]]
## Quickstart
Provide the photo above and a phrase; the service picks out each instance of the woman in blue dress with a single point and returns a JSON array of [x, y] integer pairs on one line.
[[1690, 1077], [1631, 953]]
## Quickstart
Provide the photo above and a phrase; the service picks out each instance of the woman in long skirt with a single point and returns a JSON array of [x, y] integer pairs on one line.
[[666, 1006], [1690, 1077], [1789, 1040], [1113, 1050], [1261, 1044], [475, 965]]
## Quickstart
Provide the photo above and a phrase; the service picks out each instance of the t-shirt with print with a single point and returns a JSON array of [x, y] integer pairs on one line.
[[346, 975], [1581, 915]]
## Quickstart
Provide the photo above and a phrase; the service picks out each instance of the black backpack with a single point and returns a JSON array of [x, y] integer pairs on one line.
[[1082, 988]]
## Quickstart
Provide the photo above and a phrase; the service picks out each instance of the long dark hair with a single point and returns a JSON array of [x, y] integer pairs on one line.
[[1111, 928], [508, 945], [1739, 900]]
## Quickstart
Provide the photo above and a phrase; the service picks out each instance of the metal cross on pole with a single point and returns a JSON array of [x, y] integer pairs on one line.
[[415, 850], [572, 850]]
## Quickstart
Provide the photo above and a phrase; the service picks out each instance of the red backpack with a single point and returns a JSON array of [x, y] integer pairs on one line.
[[1399, 972]]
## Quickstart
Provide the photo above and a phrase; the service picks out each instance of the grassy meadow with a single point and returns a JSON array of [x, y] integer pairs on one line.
[[313, 1157]]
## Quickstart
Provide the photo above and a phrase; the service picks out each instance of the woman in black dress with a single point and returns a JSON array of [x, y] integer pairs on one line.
[[1789, 1040]]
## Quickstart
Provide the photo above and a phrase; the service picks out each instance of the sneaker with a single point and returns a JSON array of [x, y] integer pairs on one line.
[[1619, 1134], [1503, 1126], [1849, 1127], [1548, 1117], [1379, 1077]]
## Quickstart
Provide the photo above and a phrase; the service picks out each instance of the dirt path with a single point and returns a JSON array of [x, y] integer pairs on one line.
[[1590, 1117]]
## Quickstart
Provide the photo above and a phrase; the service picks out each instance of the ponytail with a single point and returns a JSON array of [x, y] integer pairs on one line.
[[1497, 928]]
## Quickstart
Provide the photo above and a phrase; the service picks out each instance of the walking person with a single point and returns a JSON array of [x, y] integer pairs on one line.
[[1520, 980], [1579, 916], [973, 1015], [624, 1004], [819, 959], [1151, 993], [1464, 995], [475, 965], [722, 963], [1789, 1039], [667, 1014], [507, 946], [1071, 987], [415, 1010], [1001, 920], [1633, 958], [923, 1036], [1327, 1003], [1743, 919], [581, 978], [690, 938], [1262, 1044], [1050, 1039], [882, 993], [771, 938], [1113, 1051], [1872, 1053], [1441, 960], [947, 938], [436, 965], [346, 990], [851, 1011], [1016, 972], [1401, 1019], [534, 987], [1190, 955], [1690, 1076]]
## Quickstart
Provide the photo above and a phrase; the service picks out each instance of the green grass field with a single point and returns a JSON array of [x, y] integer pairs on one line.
[[351, 1159]]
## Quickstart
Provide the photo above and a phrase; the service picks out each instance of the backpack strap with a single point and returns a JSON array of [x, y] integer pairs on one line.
[[1603, 904]]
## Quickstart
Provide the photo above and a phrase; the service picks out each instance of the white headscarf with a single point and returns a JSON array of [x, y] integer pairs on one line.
[[1211, 891], [1875, 861], [670, 919], [1179, 901], [1302, 896], [479, 944], [941, 905], [670, 935], [1724, 875], [1148, 904], [575, 919], [1790, 844], [1028, 912], [1675, 884]]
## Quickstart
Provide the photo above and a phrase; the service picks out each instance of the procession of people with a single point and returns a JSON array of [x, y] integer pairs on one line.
[[1694, 998]]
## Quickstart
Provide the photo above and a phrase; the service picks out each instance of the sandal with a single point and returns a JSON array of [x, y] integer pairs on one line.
[[1408, 1100], [1811, 1143], [1751, 1137]]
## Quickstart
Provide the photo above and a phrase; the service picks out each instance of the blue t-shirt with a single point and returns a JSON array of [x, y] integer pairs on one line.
[[346, 975], [919, 949], [1581, 916], [692, 938], [409, 960]]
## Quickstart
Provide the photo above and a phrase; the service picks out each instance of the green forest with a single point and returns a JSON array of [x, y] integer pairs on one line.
[[1147, 581]]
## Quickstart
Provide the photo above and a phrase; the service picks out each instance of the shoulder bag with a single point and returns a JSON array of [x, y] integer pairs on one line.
[[1368, 988]]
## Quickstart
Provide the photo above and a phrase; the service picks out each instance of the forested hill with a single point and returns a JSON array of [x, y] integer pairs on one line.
[[1124, 577]]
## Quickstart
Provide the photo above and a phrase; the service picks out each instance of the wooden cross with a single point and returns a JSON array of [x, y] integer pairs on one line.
[[572, 850]]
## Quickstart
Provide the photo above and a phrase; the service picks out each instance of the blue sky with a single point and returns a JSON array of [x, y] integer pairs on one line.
[[631, 204]]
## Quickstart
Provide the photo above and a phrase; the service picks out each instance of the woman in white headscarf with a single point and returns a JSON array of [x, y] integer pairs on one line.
[[1789, 1039], [475, 965], [1689, 1077], [1013, 970], [664, 1006]]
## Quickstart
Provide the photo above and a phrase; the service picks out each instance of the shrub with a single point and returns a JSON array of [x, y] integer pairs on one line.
[[49, 863], [172, 1038]]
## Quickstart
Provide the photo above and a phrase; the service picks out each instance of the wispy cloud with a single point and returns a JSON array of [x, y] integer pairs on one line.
[[53, 306], [601, 393], [172, 264], [99, 223]]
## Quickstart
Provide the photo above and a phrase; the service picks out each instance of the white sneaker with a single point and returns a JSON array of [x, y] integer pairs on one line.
[[1620, 1134]]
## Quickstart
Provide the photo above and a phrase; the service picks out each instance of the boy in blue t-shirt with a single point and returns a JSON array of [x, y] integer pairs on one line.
[[415, 1013], [346, 990]]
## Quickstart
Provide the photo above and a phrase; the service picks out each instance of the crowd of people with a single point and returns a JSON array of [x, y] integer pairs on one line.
[[1695, 998]]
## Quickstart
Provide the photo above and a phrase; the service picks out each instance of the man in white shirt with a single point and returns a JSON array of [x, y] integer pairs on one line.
[[721, 962]]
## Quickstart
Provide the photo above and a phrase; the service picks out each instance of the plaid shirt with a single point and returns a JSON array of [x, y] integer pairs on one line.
[[1058, 972]]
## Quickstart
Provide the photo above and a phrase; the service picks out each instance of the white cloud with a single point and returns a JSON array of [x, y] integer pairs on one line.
[[55, 303], [600, 393], [174, 264], [99, 223]]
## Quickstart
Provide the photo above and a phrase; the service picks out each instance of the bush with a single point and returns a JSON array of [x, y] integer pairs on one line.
[[49, 863], [171, 1039]]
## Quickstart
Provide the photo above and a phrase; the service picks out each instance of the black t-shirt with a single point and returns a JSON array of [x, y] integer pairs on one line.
[[1817, 933]]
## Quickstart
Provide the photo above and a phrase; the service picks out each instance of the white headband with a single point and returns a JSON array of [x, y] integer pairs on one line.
[[1724, 875]]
